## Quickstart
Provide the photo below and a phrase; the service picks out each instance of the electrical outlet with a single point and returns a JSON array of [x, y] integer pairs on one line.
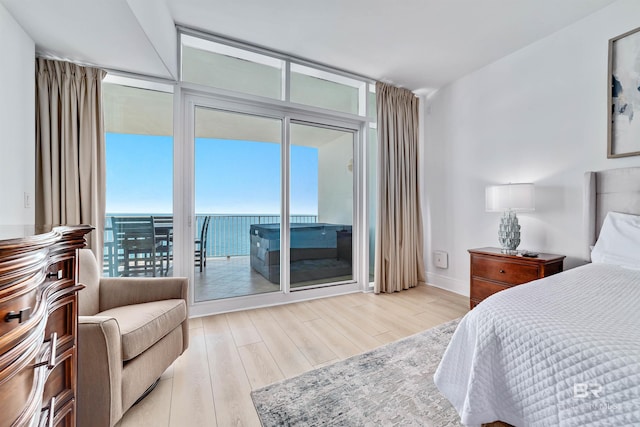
[[440, 259]]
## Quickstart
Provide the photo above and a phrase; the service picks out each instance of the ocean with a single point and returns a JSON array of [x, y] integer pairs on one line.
[[228, 234]]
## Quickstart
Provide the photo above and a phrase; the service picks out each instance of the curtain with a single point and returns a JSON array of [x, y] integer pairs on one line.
[[399, 262], [70, 147]]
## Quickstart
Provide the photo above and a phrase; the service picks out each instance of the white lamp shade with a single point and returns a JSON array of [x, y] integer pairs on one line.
[[517, 197]]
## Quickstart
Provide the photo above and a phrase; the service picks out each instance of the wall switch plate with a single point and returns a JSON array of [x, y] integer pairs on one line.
[[440, 259], [27, 199]]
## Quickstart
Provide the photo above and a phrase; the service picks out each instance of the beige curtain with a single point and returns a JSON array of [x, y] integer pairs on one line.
[[70, 148], [399, 262]]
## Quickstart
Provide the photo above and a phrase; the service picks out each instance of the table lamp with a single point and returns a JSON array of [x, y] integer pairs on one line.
[[509, 199]]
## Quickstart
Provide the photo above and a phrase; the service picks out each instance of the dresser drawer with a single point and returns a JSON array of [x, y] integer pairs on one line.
[[22, 381], [18, 303], [503, 270], [63, 414], [60, 379], [61, 267], [15, 393], [62, 321]]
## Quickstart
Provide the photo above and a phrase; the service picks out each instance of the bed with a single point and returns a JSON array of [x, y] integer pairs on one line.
[[564, 350]]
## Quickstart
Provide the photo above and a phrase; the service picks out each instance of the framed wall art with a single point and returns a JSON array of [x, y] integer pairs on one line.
[[624, 95]]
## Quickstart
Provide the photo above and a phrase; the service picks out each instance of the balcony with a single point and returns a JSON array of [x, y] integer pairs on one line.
[[242, 252]]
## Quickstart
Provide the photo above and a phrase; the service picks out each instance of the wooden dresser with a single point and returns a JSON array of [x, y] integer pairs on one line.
[[492, 271], [38, 324]]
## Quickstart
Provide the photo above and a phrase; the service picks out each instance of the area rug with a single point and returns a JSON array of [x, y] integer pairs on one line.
[[388, 386]]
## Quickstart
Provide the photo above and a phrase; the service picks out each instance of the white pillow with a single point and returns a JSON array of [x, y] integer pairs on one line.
[[619, 241]]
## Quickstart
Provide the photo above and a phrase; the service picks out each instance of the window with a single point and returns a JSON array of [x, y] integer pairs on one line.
[[225, 67], [230, 66], [139, 178], [311, 86]]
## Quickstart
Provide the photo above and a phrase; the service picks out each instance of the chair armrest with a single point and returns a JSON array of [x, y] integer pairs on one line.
[[99, 371], [119, 291]]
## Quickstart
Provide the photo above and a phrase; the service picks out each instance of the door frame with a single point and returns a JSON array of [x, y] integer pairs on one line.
[[185, 102]]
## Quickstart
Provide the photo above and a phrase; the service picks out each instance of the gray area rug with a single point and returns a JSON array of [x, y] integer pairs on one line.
[[388, 386]]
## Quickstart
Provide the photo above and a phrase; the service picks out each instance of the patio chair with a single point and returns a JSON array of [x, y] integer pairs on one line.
[[135, 245], [109, 252], [163, 229], [201, 244]]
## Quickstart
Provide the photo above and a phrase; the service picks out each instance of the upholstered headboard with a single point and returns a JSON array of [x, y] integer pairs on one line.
[[616, 190]]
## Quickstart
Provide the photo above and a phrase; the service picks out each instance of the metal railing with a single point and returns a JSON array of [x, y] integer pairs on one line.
[[228, 234]]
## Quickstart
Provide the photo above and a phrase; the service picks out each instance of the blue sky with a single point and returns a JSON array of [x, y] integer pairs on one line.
[[232, 176]]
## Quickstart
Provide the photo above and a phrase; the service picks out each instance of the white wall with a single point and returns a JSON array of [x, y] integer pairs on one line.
[[538, 115], [17, 122], [335, 181]]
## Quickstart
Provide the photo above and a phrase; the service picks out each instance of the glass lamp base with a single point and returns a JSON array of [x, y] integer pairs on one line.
[[509, 233]]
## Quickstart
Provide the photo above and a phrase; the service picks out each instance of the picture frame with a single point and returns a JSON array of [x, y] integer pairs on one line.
[[623, 124]]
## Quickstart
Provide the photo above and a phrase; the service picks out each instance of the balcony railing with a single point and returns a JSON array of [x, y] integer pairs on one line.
[[228, 235]]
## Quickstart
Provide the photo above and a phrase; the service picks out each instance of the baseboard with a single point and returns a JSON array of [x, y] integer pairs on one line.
[[447, 283]]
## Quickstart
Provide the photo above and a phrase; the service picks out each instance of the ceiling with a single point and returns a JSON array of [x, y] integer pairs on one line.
[[417, 44]]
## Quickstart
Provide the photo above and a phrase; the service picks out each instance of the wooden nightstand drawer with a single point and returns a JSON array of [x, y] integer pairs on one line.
[[503, 271], [492, 271], [481, 289]]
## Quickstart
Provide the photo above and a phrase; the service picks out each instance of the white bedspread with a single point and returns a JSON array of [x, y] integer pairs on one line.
[[561, 351]]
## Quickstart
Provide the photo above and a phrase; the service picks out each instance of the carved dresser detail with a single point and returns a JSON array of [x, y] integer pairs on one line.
[[38, 324]]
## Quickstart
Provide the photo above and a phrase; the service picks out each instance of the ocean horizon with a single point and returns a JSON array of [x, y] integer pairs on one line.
[[228, 234]]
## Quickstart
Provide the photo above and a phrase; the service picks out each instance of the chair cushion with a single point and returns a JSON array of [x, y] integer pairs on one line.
[[142, 325]]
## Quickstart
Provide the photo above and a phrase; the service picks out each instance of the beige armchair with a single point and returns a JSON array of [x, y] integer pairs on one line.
[[130, 330]]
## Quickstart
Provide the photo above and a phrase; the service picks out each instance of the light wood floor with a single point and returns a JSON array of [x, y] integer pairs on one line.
[[231, 354]]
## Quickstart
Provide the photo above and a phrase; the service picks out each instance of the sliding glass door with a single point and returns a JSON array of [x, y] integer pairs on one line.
[[274, 203], [237, 172], [321, 165]]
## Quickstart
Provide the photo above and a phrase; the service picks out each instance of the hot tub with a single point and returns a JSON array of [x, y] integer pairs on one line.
[[318, 251]]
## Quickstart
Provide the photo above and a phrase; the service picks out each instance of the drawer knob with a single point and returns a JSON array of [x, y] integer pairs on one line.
[[22, 315], [502, 271]]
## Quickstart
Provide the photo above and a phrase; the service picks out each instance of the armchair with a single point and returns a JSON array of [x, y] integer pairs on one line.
[[130, 330]]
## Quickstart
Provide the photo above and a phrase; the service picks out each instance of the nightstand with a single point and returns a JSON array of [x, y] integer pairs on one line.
[[492, 271]]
